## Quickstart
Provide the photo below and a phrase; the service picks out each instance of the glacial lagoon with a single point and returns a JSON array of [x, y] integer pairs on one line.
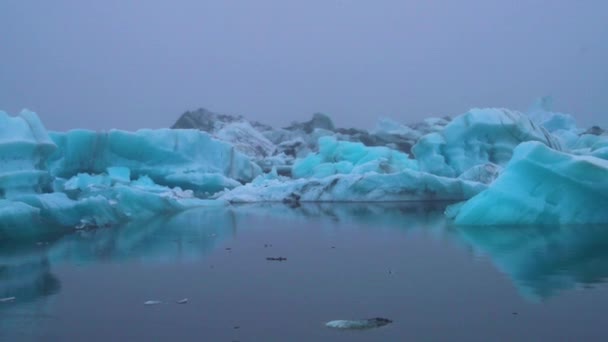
[[402, 261]]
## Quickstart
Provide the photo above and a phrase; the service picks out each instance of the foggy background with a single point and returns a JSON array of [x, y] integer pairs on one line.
[[135, 64]]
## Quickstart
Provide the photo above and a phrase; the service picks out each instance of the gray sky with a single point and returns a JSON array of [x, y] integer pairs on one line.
[[135, 64]]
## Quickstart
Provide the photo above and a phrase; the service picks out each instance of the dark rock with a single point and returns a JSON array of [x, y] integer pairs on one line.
[[209, 121], [595, 130], [319, 120]]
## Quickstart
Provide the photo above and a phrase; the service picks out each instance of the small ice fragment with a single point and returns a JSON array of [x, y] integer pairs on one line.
[[182, 301], [7, 299], [276, 259], [152, 302], [359, 324]]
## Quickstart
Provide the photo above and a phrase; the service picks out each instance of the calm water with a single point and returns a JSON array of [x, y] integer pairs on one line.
[[344, 261]]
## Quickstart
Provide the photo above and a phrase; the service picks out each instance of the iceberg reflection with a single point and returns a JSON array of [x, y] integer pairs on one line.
[[544, 260]]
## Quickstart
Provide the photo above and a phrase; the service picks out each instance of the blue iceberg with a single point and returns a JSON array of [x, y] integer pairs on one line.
[[541, 186], [510, 167]]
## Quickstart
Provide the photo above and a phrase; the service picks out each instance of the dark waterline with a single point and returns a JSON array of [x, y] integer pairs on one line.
[[344, 261]]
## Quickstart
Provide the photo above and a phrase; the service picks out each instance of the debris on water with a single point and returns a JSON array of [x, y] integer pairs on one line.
[[236, 327], [359, 324], [182, 301], [152, 302], [333, 247], [228, 249], [266, 245], [514, 313], [276, 259], [7, 299]]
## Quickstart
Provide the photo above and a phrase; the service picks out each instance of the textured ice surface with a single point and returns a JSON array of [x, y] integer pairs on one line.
[[342, 157], [246, 139], [358, 324], [89, 179], [24, 149], [407, 185], [98, 203], [477, 137], [84, 178], [541, 186], [189, 159]]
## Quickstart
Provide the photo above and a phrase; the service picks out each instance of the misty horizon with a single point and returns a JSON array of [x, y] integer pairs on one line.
[[129, 66]]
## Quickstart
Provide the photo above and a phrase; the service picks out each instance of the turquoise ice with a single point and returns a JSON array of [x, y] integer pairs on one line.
[[541, 186]]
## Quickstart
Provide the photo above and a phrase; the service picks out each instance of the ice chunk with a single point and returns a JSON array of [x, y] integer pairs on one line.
[[386, 126], [189, 159], [83, 181], [542, 186], [24, 149], [152, 302], [17, 214], [342, 157], [478, 137], [93, 203], [560, 125], [485, 174], [359, 324], [590, 144], [542, 113], [407, 185], [119, 174], [246, 139]]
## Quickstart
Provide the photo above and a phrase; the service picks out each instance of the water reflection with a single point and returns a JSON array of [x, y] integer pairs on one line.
[[182, 237], [26, 268], [542, 261]]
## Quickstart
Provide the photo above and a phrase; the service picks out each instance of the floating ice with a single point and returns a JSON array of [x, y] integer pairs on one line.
[[407, 185], [342, 157], [541, 186], [359, 324], [478, 137], [152, 302], [189, 159], [24, 149], [80, 179]]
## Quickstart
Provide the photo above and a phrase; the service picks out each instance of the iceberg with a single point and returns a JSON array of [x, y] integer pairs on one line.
[[66, 181], [189, 159], [480, 136], [407, 185], [24, 149], [505, 163], [541, 185], [343, 157]]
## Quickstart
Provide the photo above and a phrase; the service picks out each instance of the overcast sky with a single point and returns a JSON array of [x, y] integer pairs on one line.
[[135, 64]]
